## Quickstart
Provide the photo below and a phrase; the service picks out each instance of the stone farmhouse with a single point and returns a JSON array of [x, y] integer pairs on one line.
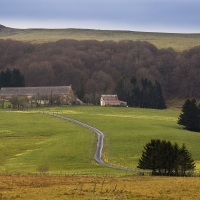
[[41, 95], [111, 100]]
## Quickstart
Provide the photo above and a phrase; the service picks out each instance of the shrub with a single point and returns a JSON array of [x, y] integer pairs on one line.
[[43, 168]]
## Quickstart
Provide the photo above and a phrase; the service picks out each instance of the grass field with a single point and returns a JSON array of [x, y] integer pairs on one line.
[[127, 130], [29, 140], [101, 187], [32, 139], [178, 42]]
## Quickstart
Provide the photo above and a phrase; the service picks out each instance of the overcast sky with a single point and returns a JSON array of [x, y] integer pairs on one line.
[[136, 15]]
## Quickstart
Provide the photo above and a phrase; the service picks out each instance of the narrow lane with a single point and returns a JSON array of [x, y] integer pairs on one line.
[[99, 147]]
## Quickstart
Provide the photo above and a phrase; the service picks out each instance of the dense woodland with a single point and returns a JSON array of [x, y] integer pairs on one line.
[[94, 68]]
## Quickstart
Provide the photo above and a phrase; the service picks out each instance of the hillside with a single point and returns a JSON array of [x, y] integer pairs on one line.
[[8, 32], [178, 42]]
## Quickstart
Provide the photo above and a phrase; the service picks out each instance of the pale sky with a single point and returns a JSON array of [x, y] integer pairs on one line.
[[182, 16]]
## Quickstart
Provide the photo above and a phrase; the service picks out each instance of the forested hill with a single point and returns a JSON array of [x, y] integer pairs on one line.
[[94, 68]]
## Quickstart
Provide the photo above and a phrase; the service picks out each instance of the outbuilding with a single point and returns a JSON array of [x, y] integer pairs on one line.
[[111, 100]]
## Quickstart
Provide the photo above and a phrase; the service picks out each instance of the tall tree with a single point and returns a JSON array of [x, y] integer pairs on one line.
[[17, 79], [190, 116], [149, 156], [159, 101], [185, 160], [6, 78], [124, 89]]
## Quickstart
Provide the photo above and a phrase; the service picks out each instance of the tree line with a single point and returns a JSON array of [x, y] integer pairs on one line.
[[143, 94], [94, 68]]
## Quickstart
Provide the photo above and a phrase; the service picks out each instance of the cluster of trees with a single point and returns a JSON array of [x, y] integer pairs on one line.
[[94, 68], [144, 94], [165, 158], [22, 102], [11, 78], [190, 116]]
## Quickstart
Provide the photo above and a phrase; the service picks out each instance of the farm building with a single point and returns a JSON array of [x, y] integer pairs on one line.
[[111, 100], [41, 95]]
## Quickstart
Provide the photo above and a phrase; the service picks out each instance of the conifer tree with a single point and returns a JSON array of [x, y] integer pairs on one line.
[[17, 79], [5, 78], [159, 101], [185, 160], [12, 78], [190, 116], [149, 156]]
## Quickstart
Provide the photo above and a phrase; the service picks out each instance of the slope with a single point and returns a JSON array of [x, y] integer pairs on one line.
[[179, 42]]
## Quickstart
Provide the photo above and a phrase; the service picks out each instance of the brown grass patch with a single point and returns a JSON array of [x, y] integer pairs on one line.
[[97, 187]]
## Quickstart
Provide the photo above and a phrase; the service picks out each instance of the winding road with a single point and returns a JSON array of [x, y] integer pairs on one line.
[[99, 148]]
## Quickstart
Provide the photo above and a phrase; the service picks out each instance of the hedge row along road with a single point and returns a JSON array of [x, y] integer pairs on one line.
[[99, 148]]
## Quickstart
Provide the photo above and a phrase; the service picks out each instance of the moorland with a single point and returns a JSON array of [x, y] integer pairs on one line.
[[176, 41]]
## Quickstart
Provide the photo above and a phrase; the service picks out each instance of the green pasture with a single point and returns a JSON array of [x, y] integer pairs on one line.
[[178, 42], [127, 130], [33, 138], [29, 140]]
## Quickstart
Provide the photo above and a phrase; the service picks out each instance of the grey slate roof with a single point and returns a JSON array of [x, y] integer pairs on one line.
[[30, 91]]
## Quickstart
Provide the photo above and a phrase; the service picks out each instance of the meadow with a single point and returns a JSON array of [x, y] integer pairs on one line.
[[127, 130], [179, 42], [31, 139]]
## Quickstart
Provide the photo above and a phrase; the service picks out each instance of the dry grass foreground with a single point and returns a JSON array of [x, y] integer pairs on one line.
[[97, 187]]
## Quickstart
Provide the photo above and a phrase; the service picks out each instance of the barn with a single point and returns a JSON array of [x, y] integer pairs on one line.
[[111, 100], [41, 95]]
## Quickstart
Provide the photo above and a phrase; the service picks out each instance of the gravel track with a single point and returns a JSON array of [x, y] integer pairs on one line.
[[99, 147]]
